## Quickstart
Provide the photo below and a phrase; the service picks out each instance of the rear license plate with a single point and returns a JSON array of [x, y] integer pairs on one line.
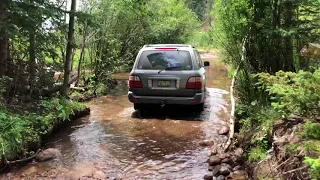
[[163, 83]]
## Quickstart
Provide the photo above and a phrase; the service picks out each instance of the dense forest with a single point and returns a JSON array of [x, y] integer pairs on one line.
[[54, 50]]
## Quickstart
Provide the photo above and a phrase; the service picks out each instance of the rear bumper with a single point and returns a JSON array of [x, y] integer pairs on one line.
[[197, 99]]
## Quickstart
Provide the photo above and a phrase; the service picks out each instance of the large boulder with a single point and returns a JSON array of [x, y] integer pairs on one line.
[[214, 160], [48, 154]]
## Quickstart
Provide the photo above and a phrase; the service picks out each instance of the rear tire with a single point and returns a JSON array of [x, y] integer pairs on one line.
[[137, 106]]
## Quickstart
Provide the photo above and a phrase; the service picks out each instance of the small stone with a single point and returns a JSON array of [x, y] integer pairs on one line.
[[48, 154], [234, 160], [226, 160], [210, 168], [99, 175], [206, 143], [208, 177], [216, 170], [239, 152], [224, 130], [221, 177], [224, 155], [224, 170], [239, 175], [236, 168], [214, 160], [214, 150], [226, 165]]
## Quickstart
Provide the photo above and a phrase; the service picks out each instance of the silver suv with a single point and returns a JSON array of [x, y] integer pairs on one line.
[[172, 74]]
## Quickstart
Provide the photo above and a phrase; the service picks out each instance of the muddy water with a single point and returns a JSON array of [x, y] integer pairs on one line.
[[119, 142]]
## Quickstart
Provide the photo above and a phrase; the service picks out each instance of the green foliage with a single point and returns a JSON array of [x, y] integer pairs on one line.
[[202, 39], [199, 7], [256, 154], [61, 107], [19, 133], [273, 31], [294, 92], [314, 167], [3, 84], [312, 131]]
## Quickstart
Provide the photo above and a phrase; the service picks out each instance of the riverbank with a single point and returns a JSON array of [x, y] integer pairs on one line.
[[277, 126], [25, 129]]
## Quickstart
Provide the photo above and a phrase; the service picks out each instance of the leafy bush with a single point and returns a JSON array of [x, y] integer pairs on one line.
[[314, 167], [312, 131], [19, 133], [294, 92], [265, 98], [61, 108]]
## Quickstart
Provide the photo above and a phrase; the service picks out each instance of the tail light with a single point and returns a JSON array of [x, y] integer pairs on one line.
[[194, 83], [135, 82]]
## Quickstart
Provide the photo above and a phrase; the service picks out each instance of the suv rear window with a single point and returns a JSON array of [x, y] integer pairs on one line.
[[162, 59]]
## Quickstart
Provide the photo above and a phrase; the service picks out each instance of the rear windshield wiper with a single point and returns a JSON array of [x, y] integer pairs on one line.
[[168, 68]]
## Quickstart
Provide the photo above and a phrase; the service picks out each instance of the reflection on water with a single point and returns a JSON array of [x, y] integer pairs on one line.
[[161, 144]]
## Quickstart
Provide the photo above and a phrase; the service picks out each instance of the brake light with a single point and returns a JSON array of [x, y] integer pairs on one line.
[[166, 49], [135, 82], [194, 83]]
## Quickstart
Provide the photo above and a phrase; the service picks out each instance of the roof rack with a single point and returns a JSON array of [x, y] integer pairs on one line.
[[168, 45]]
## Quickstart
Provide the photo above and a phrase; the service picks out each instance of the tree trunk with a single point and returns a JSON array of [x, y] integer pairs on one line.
[[67, 63], [4, 42], [72, 58], [32, 57], [82, 52], [288, 45]]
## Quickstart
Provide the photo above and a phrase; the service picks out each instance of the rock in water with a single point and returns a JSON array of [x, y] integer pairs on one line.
[[208, 177], [210, 168], [206, 143], [221, 177], [224, 170], [224, 155], [214, 160], [48, 154], [226, 160], [214, 150], [224, 130], [99, 175], [216, 170]]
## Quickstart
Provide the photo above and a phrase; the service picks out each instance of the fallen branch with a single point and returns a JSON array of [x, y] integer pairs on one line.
[[233, 102], [233, 106], [294, 170], [23, 160]]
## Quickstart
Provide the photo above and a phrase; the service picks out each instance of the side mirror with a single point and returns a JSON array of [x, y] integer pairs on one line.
[[206, 63]]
